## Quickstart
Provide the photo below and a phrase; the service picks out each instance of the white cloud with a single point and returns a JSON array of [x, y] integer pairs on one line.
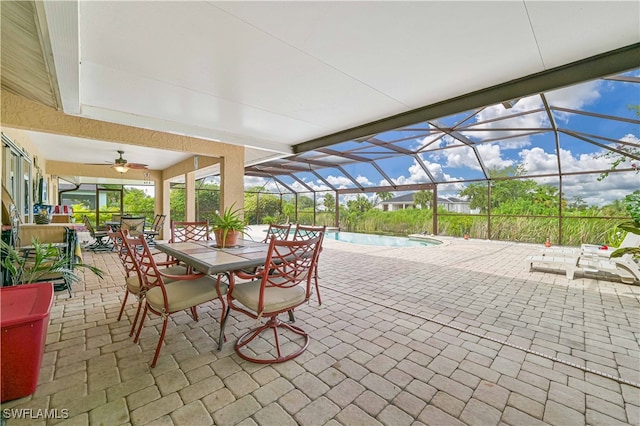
[[594, 192]]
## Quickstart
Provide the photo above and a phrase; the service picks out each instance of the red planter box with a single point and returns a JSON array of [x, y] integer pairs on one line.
[[24, 318]]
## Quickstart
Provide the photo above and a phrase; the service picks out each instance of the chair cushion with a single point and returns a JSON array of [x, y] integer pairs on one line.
[[276, 299], [133, 283], [185, 294]]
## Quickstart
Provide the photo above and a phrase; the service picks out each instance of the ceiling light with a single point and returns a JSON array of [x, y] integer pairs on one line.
[[120, 168]]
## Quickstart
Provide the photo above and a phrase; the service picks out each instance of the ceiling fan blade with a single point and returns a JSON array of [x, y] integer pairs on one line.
[[136, 166]]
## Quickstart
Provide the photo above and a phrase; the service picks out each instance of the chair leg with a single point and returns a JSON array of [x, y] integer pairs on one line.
[[274, 323], [194, 313], [135, 320], [144, 315], [317, 288], [124, 302], [164, 330], [223, 321]]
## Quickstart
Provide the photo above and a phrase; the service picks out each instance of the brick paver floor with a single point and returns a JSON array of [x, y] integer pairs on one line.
[[460, 333]]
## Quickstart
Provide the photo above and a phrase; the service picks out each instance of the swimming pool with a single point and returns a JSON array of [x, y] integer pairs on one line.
[[377, 240]]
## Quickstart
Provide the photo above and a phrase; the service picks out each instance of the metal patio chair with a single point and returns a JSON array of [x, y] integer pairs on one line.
[[283, 284], [164, 298]]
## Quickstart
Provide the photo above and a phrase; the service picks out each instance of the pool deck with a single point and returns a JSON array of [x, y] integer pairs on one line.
[[459, 333]]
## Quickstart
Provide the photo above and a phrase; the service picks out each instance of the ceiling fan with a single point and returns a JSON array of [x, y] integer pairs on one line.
[[121, 165]]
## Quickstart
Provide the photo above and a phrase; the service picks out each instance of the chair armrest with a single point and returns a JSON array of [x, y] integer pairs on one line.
[[247, 275], [184, 277]]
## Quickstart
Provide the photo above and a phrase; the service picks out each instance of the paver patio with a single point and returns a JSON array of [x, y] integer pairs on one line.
[[460, 333]]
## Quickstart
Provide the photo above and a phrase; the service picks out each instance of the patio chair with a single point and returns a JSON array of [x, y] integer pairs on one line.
[[151, 233], [282, 285], [99, 234], [164, 298], [189, 231], [280, 232], [132, 281], [303, 232], [134, 225], [630, 240]]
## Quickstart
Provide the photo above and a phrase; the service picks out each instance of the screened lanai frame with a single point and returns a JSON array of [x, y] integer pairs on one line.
[[545, 123]]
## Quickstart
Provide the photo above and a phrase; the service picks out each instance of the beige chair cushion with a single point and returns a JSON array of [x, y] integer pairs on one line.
[[185, 294], [133, 283], [275, 298]]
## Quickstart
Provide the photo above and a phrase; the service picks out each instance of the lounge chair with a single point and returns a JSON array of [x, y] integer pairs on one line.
[[625, 267]]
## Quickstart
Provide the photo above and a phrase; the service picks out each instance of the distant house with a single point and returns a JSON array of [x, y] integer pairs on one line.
[[402, 202]]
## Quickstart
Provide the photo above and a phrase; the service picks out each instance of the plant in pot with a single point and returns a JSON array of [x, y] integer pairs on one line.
[[44, 262], [228, 226]]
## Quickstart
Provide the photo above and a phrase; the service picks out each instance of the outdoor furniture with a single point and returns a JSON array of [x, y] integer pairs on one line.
[[151, 233], [184, 292], [206, 258], [572, 261], [303, 232], [280, 232], [134, 225], [99, 234], [189, 231], [132, 280], [282, 285]]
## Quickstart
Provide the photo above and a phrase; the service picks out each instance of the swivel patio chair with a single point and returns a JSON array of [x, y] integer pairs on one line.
[[99, 234], [303, 232], [163, 298], [282, 285], [156, 228], [189, 231], [132, 281]]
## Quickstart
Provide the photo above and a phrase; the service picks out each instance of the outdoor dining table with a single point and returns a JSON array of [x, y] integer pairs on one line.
[[206, 257]]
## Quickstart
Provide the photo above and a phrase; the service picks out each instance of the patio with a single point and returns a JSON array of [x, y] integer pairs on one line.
[[460, 333]]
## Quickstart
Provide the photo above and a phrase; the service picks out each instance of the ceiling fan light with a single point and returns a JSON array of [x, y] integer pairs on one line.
[[120, 168]]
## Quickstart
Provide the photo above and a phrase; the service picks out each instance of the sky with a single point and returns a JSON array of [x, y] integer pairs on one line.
[[501, 143]]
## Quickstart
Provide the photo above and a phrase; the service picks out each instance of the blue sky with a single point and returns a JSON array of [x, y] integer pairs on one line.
[[537, 153]]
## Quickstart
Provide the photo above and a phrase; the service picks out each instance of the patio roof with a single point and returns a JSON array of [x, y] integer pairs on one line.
[[282, 78]]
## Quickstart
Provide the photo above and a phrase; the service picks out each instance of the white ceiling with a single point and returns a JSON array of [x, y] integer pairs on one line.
[[268, 75]]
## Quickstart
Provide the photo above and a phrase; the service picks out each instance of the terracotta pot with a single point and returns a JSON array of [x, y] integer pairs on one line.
[[231, 239]]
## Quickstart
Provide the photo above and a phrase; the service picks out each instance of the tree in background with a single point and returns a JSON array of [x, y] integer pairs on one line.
[[329, 203], [423, 199], [632, 154], [360, 204], [137, 201], [267, 206]]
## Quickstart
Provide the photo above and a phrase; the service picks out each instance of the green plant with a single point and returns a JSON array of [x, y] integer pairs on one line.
[[632, 204], [230, 220], [44, 261]]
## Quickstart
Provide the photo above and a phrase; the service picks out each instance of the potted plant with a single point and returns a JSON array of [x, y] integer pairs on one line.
[[42, 217], [45, 262], [228, 226]]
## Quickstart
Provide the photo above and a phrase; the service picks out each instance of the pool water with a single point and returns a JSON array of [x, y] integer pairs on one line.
[[377, 240]]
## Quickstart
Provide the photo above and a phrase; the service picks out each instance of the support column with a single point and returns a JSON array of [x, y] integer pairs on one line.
[[232, 181], [190, 196], [165, 206], [158, 205]]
